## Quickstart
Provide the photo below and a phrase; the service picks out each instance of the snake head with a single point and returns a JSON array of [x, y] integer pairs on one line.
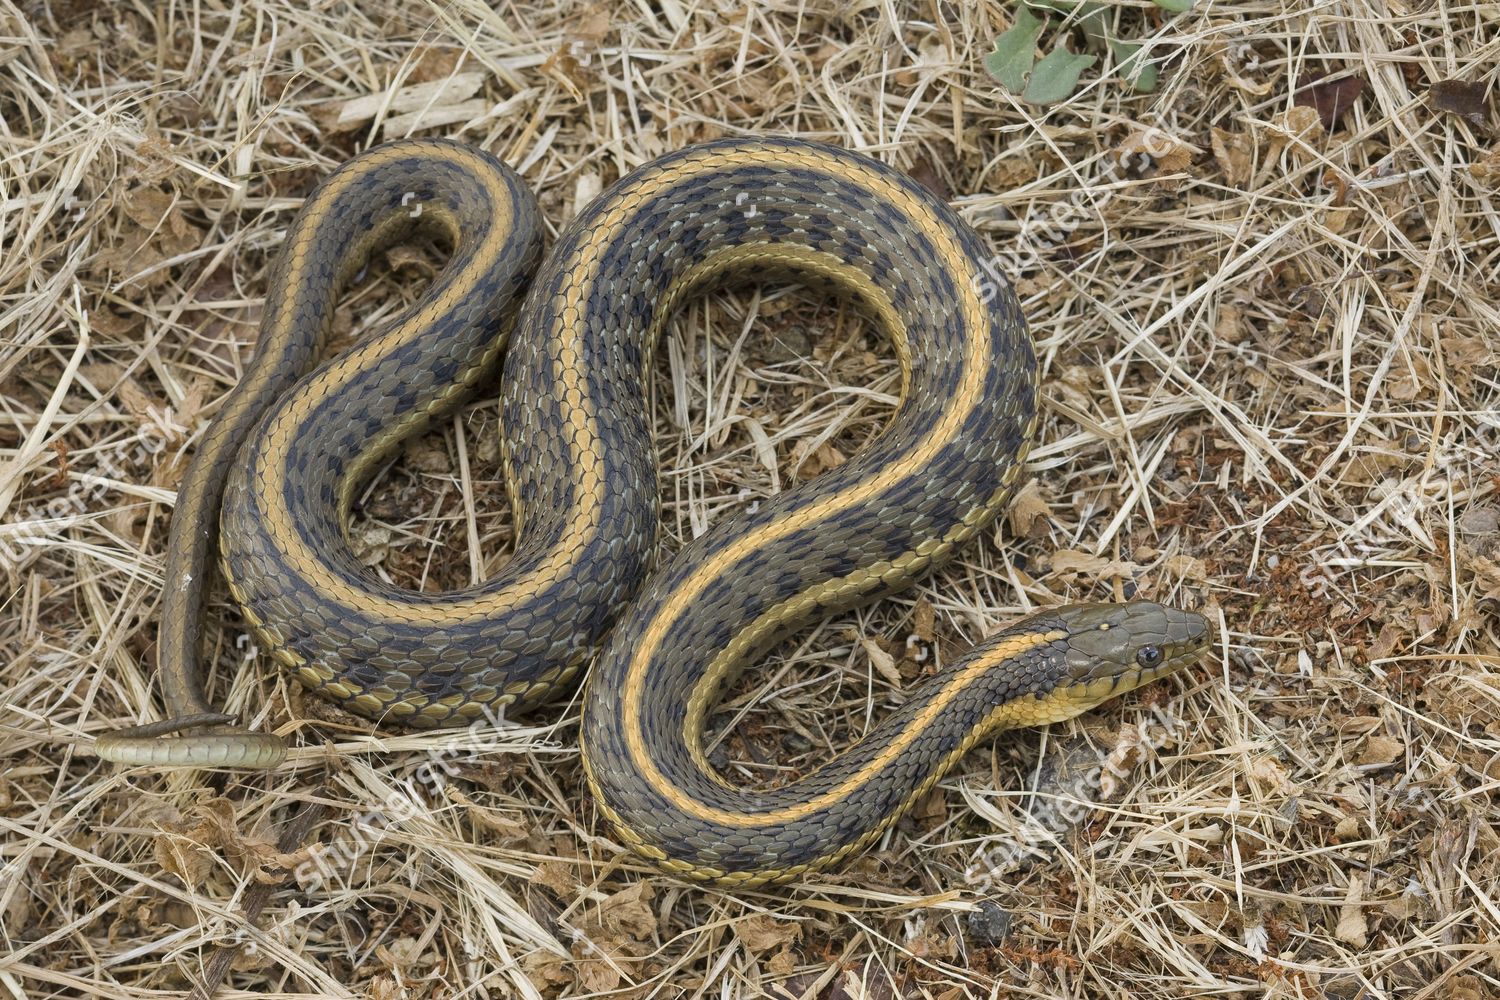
[[1114, 648]]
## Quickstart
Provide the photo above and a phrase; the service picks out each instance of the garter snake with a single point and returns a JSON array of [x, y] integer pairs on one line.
[[570, 339]]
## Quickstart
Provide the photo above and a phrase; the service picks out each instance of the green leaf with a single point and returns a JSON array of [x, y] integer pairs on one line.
[[1015, 51], [1065, 7], [1090, 15], [1056, 77], [1174, 6], [1131, 65]]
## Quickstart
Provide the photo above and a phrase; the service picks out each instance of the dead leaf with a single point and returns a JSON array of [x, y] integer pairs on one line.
[[1336, 220], [1072, 562], [1463, 355], [923, 619], [1459, 98], [1299, 123], [1407, 384], [1235, 154], [545, 969], [810, 459], [1230, 326], [1188, 567], [572, 65], [382, 987], [1268, 773], [1487, 169], [1029, 511], [181, 856], [883, 662], [1166, 153], [761, 933], [628, 911], [157, 231], [1381, 750], [1332, 99], [435, 62], [931, 809], [600, 973], [1352, 929], [1235, 62], [370, 543], [1467, 988], [109, 325], [427, 456], [1391, 636], [557, 877], [925, 174], [1122, 760]]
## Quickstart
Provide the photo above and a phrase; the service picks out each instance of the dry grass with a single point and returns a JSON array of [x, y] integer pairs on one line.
[[1271, 373]]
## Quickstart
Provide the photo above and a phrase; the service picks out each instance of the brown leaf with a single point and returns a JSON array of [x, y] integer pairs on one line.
[[923, 619], [883, 662], [1352, 928], [1029, 512], [1391, 636], [545, 969], [1465, 356], [1235, 154], [572, 65], [925, 174], [1487, 169], [1381, 750], [1296, 123], [1332, 99], [435, 62], [384, 987], [1459, 98], [180, 856], [627, 911], [112, 326], [1071, 562], [931, 808], [1268, 773], [808, 461], [556, 876], [761, 933], [1168, 154], [427, 456], [599, 975]]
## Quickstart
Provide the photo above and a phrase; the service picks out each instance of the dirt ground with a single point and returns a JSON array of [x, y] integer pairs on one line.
[[1264, 294]]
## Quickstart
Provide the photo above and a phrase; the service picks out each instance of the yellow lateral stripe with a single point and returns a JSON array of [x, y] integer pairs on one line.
[[975, 371], [918, 724]]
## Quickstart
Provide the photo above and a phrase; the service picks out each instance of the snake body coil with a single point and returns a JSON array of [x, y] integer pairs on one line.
[[293, 443]]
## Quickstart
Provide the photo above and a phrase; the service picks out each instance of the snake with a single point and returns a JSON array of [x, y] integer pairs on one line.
[[570, 335]]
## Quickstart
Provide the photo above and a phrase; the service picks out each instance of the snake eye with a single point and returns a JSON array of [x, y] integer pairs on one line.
[[1149, 656]]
